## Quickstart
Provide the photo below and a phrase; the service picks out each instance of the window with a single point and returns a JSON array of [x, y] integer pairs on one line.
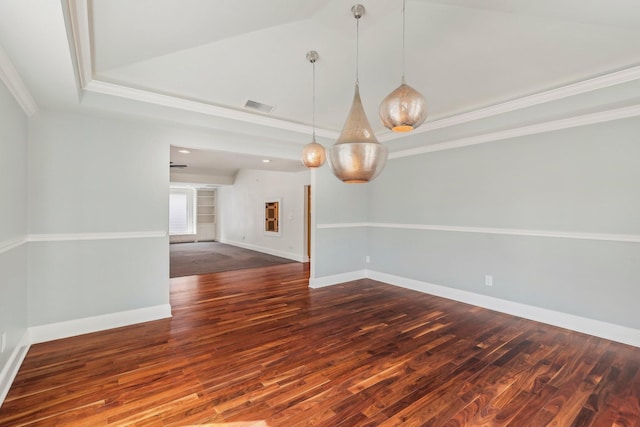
[[181, 211]]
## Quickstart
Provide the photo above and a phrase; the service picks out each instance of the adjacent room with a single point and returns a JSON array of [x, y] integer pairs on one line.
[[428, 210], [203, 183]]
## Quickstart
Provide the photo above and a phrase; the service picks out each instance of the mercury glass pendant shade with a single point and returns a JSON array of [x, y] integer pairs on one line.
[[357, 156], [313, 154], [404, 109]]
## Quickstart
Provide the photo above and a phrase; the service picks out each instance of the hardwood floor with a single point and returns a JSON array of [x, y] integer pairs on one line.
[[258, 348]]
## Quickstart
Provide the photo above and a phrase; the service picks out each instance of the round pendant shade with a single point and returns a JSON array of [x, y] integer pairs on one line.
[[404, 109], [313, 155]]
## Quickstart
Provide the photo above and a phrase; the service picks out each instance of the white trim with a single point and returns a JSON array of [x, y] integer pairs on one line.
[[149, 97], [344, 225], [95, 236], [81, 36], [263, 249], [7, 245], [628, 238], [70, 328], [320, 282], [82, 45], [14, 83], [585, 325], [312, 232], [585, 86], [10, 369], [587, 119]]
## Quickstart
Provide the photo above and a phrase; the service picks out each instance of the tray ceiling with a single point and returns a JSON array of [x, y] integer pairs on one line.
[[484, 66]]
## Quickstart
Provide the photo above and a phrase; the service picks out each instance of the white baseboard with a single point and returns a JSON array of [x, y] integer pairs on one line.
[[70, 328], [585, 325], [54, 331], [270, 251], [320, 282], [10, 370]]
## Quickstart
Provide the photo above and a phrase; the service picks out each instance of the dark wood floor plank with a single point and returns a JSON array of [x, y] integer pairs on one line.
[[258, 348]]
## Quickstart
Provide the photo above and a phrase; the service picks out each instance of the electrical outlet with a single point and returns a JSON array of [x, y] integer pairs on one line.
[[3, 342], [367, 259], [488, 280]]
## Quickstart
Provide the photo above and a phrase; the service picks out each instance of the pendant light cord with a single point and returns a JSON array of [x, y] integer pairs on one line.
[[357, 47], [314, 101], [403, 38]]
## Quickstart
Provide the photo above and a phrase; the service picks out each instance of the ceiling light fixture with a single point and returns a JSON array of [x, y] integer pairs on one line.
[[405, 108], [313, 154], [266, 161], [357, 156], [183, 151]]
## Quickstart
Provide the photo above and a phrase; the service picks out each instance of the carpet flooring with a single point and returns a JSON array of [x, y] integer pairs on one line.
[[187, 259]]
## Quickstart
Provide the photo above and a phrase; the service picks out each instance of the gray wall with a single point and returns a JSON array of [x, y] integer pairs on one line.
[[96, 176], [13, 222], [581, 180], [340, 250]]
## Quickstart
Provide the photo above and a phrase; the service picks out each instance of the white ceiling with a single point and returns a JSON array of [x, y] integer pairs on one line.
[[196, 62], [225, 163]]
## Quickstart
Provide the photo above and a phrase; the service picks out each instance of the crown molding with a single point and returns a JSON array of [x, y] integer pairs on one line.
[[82, 46], [150, 97], [81, 30], [587, 119], [81, 38], [9, 75], [585, 86]]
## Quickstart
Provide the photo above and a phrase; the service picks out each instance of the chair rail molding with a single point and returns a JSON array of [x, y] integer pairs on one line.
[[96, 236], [7, 245], [629, 238]]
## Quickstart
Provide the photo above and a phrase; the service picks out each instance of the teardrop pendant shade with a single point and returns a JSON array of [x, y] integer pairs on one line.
[[357, 156], [313, 155], [404, 109]]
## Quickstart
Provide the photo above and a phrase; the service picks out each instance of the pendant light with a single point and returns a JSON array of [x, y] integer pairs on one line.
[[357, 156], [313, 154], [405, 108]]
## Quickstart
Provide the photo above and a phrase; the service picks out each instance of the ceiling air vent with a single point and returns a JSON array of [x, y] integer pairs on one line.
[[258, 106]]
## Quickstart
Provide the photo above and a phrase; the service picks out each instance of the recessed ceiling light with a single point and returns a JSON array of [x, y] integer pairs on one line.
[[184, 151], [266, 160]]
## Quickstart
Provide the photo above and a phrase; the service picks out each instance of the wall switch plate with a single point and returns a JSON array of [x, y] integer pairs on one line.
[[3, 342], [488, 280], [367, 259]]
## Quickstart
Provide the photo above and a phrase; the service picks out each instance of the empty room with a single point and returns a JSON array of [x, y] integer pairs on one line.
[[443, 196]]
